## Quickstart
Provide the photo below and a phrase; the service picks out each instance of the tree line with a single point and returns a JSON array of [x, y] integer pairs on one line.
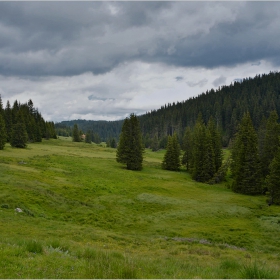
[[227, 105], [254, 163], [22, 123]]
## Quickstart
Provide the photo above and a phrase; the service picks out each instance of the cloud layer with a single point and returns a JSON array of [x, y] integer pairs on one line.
[[103, 60]]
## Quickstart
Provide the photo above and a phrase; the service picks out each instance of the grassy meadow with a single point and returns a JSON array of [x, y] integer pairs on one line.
[[86, 216]]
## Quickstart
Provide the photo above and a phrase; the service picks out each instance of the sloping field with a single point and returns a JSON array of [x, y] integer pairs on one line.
[[85, 216]]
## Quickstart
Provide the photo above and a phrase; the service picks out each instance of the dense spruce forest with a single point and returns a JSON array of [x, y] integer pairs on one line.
[[227, 105], [22, 123]]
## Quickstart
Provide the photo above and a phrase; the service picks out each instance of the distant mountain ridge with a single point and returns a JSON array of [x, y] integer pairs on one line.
[[259, 95]]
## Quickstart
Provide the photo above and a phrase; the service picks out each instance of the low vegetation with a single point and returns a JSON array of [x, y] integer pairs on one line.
[[86, 216]]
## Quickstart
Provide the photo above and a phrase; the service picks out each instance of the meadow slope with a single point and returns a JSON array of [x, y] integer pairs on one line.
[[86, 216]]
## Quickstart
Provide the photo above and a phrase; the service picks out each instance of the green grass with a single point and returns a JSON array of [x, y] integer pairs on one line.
[[86, 216]]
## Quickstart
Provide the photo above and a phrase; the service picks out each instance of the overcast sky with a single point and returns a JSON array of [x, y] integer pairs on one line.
[[105, 60]]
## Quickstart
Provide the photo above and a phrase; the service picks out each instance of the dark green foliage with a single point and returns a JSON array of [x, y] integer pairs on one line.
[[271, 141], [76, 134], [273, 179], [246, 171], [155, 143], [8, 120], [130, 149], [187, 148], [113, 143], [216, 143], [171, 160], [3, 135], [203, 165], [19, 136], [88, 137]]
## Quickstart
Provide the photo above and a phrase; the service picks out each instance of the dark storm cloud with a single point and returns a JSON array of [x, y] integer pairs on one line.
[[65, 39]]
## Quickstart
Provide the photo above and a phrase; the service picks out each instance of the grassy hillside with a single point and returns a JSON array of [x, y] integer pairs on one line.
[[85, 216]]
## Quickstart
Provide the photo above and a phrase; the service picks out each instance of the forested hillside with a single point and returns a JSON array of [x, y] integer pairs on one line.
[[227, 105], [22, 123]]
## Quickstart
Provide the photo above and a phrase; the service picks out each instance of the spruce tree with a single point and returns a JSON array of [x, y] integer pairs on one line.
[[155, 143], [187, 148], [246, 171], [88, 137], [3, 136], [273, 179], [130, 149], [171, 160], [271, 141], [216, 143], [203, 164], [76, 134], [19, 135]]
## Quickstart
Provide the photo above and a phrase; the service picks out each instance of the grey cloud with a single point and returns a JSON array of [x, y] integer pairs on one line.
[[219, 81], [256, 63], [179, 78], [200, 83], [238, 80], [65, 39]]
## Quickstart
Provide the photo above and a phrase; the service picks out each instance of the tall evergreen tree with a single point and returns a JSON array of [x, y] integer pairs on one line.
[[246, 171], [155, 143], [3, 136], [271, 141], [130, 149], [273, 179], [187, 148], [8, 120], [203, 164], [171, 160], [19, 136], [216, 143], [76, 134], [88, 137]]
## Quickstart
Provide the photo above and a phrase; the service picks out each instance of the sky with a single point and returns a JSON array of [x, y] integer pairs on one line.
[[105, 60]]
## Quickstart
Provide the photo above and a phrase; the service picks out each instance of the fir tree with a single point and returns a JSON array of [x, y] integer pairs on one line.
[[88, 137], [216, 143], [171, 160], [3, 136], [8, 120], [19, 136], [273, 179], [187, 148], [245, 165], [203, 165], [130, 149], [271, 141], [76, 134], [155, 143]]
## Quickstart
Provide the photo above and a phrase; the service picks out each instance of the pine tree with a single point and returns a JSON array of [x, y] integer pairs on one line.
[[155, 143], [88, 137], [130, 149], [113, 143], [203, 164], [187, 148], [216, 143], [3, 136], [245, 165], [19, 136], [273, 179], [8, 120], [171, 160], [271, 141], [76, 134]]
